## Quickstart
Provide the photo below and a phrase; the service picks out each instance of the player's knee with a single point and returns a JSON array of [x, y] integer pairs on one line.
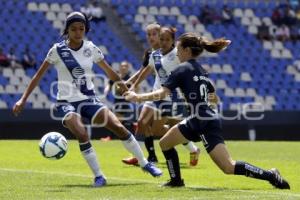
[[120, 130], [228, 169], [162, 145], [141, 126]]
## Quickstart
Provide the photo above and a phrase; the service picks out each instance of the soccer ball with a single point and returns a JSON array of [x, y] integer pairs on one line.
[[53, 146]]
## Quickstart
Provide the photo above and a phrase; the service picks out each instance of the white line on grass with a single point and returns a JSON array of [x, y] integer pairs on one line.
[[271, 193]]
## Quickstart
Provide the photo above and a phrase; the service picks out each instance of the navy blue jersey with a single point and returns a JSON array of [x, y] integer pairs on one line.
[[193, 81]]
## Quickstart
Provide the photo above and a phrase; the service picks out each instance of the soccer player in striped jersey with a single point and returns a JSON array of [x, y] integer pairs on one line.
[[153, 118], [155, 115], [73, 59]]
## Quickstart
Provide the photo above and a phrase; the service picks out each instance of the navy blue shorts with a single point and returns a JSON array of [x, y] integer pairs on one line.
[[196, 128], [87, 109]]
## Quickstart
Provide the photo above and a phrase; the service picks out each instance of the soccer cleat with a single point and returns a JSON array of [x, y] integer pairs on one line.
[[194, 156], [277, 180], [174, 183], [131, 161], [152, 169], [99, 181], [152, 159]]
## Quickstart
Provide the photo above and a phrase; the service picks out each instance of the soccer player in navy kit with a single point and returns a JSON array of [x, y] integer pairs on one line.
[[73, 59], [203, 123]]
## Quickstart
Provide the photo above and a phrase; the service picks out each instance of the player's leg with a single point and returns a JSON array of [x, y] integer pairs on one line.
[[144, 125], [73, 122], [167, 143], [223, 160], [106, 118], [217, 150], [143, 128], [158, 129], [190, 146]]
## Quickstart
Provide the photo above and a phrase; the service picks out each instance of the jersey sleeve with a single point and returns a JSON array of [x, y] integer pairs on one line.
[[52, 56], [97, 54], [174, 80]]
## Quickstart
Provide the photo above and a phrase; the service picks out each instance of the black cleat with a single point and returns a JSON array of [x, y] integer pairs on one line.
[[174, 183], [277, 180]]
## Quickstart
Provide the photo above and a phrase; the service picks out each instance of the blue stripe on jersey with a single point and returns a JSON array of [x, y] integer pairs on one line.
[[76, 71], [162, 73]]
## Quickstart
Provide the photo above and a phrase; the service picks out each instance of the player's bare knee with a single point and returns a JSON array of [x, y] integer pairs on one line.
[[120, 130], [162, 145], [228, 169]]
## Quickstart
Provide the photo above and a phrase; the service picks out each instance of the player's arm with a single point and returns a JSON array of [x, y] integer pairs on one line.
[[33, 83], [133, 78], [145, 72], [112, 75], [150, 96]]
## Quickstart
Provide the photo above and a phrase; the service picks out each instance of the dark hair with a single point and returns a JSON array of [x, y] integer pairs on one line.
[[197, 44], [76, 17], [170, 30]]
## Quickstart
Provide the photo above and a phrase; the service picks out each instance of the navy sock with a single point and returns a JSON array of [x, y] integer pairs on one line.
[[173, 164], [85, 146], [149, 144], [246, 169]]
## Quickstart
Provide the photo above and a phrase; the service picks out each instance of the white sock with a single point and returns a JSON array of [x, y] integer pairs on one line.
[[141, 144], [133, 147], [91, 158], [191, 147]]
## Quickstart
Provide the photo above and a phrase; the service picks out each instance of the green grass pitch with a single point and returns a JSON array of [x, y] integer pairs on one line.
[[26, 175]]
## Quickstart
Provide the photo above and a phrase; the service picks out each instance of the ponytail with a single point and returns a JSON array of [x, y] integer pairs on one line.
[[197, 44], [216, 45]]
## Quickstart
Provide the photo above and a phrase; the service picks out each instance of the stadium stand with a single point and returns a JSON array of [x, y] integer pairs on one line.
[[251, 70]]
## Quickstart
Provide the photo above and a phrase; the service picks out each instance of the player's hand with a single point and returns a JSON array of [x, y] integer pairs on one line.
[[18, 107], [131, 96], [120, 88]]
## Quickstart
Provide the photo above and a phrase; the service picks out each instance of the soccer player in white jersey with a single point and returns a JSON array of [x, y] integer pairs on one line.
[[162, 61], [73, 59]]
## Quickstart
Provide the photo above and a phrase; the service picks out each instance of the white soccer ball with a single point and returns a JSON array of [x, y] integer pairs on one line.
[[53, 146]]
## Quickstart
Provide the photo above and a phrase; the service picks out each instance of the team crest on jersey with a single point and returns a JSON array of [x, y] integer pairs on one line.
[[163, 75], [65, 54], [87, 53], [78, 72]]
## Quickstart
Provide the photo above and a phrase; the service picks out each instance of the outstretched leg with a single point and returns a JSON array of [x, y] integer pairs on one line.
[[221, 157]]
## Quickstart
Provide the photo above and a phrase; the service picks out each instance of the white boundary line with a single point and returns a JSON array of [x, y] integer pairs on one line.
[[270, 193]]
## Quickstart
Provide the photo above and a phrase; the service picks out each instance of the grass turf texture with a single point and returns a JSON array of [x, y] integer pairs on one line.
[[25, 174]]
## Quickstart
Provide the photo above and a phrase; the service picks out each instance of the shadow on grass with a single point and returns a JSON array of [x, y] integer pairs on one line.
[[164, 165], [108, 185], [201, 188]]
